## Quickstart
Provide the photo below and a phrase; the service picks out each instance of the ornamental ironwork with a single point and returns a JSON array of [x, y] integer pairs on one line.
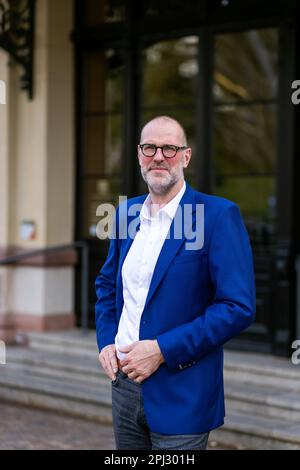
[[16, 37]]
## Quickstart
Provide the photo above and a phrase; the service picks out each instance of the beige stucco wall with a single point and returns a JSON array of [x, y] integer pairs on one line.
[[37, 164], [42, 133], [4, 160]]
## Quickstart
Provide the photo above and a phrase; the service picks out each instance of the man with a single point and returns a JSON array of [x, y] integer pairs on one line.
[[165, 308]]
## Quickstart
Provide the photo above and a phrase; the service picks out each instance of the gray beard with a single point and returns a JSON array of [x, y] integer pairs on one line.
[[157, 188]]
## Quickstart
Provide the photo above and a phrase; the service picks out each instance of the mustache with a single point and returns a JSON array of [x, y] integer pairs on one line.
[[158, 167]]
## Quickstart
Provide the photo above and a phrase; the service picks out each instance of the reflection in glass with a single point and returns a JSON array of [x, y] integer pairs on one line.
[[103, 81], [103, 11], [246, 65], [103, 145], [245, 154], [103, 153], [170, 71], [245, 158], [102, 122], [98, 191], [245, 139]]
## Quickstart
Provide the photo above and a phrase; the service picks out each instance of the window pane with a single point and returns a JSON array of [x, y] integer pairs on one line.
[[103, 11], [170, 71], [245, 158], [103, 145], [103, 81], [98, 191], [245, 139], [246, 65]]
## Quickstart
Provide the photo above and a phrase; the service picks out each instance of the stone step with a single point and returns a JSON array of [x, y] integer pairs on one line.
[[246, 397], [238, 366], [257, 432], [73, 377], [256, 400], [271, 380], [261, 370], [87, 400], [45, 362], [72, 342], [241, 429], [251, 399]]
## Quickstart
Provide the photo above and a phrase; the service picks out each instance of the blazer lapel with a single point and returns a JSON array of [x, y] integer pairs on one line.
[[125, 221], [171, 245]]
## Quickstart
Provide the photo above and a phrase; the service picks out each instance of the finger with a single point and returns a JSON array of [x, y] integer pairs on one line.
[[108, 368], [124, 362], [127, 370], [138, 379], [130, 374], [133, 375], [113, 362], [102, 361]]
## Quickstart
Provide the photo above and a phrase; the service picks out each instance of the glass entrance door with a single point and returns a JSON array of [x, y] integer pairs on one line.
[[241, 159], [245, 106]]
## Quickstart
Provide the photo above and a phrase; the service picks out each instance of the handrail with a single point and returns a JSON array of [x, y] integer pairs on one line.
[[84, 271]]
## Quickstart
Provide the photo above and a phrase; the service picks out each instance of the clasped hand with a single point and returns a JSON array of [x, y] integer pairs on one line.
[[142, 359]]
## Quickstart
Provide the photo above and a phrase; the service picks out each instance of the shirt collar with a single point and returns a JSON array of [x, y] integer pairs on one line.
[[169, 209]]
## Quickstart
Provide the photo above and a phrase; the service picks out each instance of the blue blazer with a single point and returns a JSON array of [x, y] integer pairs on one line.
[[197, 300]]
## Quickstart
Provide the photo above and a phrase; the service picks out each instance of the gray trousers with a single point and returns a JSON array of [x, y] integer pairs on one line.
[[130, 425]]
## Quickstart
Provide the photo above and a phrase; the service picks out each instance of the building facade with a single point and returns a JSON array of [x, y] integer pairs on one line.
[[100, 70]]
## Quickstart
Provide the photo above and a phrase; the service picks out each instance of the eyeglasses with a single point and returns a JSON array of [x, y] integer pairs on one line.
[[168, 151]]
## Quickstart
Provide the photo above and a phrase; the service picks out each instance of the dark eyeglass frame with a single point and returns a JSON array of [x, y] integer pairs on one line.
[[175, 147]]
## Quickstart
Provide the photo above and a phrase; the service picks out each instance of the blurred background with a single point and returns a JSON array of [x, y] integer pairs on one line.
[[82, 77]]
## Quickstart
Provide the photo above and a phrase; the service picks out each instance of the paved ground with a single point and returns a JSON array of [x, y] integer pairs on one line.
[[32, 429], [26, 428]]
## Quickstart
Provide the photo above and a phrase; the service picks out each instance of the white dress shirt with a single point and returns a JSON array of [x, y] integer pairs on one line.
[[138, 267]]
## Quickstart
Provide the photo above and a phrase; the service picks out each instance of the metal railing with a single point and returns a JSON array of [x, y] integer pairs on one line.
[[10, 260]]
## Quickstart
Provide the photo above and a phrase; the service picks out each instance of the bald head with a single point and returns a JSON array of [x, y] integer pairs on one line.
[[167, 122]]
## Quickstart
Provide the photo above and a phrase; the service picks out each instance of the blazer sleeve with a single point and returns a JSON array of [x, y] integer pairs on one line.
[[233, 306], [105, 284]]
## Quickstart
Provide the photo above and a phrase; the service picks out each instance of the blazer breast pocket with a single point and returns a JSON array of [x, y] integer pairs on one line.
[[191, 256]]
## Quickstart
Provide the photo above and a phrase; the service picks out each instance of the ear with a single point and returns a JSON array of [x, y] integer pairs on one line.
[[187, 157], [139, 154]]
